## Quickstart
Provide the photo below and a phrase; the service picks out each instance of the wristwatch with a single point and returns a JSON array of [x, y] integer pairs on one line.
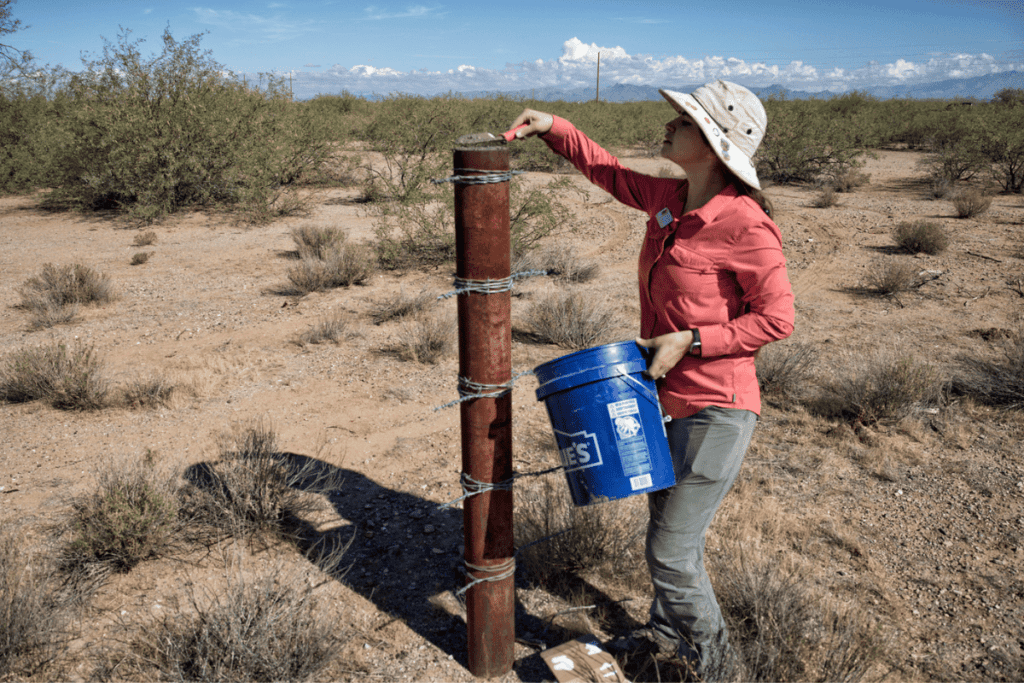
[[695, 349]]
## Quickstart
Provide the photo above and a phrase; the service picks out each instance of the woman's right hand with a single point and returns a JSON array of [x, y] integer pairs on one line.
[[537, 123]]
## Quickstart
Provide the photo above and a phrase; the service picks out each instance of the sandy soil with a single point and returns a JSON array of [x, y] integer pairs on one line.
[[923, 524]]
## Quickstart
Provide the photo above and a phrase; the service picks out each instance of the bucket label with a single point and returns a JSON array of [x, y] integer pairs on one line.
[[631, 442], [579, 450]]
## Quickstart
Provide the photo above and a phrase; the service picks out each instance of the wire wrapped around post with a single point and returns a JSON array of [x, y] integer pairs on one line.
[[483, 253]]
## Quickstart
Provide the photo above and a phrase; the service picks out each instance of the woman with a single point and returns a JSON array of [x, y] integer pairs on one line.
[[713, 290]]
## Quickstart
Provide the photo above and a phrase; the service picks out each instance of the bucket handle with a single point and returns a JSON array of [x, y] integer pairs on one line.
[[645, 392]]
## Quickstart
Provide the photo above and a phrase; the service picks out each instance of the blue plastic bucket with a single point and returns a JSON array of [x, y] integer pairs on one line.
[[607, 422]]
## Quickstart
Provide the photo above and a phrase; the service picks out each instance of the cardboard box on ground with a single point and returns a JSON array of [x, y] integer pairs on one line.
[[583, 661]]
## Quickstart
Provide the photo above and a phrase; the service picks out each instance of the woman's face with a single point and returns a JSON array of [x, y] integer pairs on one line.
[[684, 143]]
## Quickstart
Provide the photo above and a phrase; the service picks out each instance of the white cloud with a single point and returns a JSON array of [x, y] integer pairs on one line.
[[415, 11], [258, 28], [576, 68]]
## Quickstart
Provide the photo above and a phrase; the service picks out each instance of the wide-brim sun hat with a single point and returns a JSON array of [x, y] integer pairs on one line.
[[733, 120]]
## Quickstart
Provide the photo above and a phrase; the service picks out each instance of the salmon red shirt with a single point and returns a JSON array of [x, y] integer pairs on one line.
[[719, 269]]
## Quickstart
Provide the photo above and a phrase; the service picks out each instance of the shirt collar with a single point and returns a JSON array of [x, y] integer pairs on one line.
[[709, 212]]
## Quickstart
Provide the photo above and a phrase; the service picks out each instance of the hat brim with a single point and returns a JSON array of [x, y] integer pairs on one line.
[[734, 159]]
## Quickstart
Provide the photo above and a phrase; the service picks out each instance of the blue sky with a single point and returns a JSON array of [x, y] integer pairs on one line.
[[429, 46]]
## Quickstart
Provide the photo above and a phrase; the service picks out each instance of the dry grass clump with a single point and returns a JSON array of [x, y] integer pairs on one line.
[[66, 377], [401, 306], [561, 263], [252, 488], [570, 539], [54, 294], [940, 187], [35, 614], [880, 386], [144, 239], [971, 202], [784, 369], [928, 237], [849, 179], [131, 516], [426, 338], [782, 629], [148, 392], [140, 257], [890, 277], [569, 319], [345, 265], [317, 241], [267, 627], [998, 382], [329, 328], [826, 197]]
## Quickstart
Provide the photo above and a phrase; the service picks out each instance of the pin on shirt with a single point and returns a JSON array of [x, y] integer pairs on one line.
[[664, 217]]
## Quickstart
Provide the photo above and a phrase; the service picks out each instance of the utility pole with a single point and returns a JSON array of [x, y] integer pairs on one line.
[[597, 97]]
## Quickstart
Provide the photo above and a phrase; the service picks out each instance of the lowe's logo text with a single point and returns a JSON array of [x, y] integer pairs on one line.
[[579, 450]]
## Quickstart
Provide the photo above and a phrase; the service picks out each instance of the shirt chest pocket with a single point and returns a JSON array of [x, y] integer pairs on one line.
[[688, 263]]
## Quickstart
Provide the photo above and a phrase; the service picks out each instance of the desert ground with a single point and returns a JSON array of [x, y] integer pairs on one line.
[[919, 523]]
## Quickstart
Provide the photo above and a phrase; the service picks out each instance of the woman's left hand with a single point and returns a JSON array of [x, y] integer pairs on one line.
[[669, 349]]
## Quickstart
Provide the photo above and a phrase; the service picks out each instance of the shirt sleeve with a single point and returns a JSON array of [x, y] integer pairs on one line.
[[630, 187], [760, 267]]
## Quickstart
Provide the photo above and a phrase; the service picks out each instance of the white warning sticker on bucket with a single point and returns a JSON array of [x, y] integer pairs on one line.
[[623, 408]]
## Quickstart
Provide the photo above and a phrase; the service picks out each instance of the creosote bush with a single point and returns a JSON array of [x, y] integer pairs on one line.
[[66, 377], [132, 516], [880, 386], [140, 257], [928, 237], [971, 202], [569, 319], [35, 614], [264, 627]]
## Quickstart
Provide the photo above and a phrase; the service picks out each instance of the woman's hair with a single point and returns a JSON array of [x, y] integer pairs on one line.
[[746, 190]]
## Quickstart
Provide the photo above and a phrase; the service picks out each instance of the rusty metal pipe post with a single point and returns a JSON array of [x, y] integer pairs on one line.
[[483, 252]]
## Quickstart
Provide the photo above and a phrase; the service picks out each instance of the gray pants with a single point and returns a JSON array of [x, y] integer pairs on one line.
[[707, 451]]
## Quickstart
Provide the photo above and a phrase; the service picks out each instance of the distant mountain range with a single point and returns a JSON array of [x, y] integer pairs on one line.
[[979, 88]]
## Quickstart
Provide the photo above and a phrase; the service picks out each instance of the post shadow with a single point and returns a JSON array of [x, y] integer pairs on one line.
[[401, 550]]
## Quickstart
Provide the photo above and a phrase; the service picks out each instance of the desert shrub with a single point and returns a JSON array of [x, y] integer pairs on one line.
[[880, 386], [940, 187], [329, 328], [252, 490], [889, 277], [560, 263], [35, 615], [65, 377], [64, 285], [140, 257], [1003, 146], [826, 197], [954, 141], [144, 239], [784, 369], [805, 142], [921, 236], [151, 135], [400, 306], [317, 241], [995, 382], [569, 319], [344, 265], [783, 630], [267, 627], [130, 517], [971, 202], [427, 338], [554, 536], [849, 179]]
